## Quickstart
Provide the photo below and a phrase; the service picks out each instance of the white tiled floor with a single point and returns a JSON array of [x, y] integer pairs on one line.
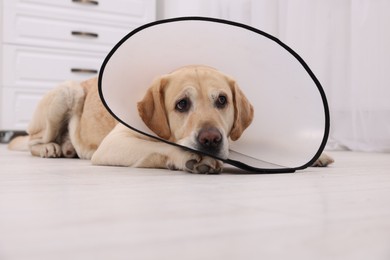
[[68, 209]]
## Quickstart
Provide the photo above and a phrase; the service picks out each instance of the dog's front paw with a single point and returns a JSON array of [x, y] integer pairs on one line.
[[193, 162], [323, 161], [204, 165]]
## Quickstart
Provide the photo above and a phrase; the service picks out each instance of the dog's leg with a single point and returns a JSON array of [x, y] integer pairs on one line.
[[122, 147], [48, 129]]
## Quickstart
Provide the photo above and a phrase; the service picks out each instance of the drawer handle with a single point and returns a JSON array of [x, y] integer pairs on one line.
[[78, 70], [85, 34], [86, 2]]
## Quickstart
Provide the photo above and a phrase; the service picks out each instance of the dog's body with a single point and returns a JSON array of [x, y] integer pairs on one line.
[[195, 106]]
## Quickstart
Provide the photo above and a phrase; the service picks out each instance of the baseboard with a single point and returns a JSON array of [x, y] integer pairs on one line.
[[6, 136]]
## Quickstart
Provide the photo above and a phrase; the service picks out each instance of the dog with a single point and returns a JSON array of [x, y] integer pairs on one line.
[[194, 106]]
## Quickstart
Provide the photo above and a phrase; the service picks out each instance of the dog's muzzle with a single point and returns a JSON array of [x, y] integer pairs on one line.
[[210, 140]]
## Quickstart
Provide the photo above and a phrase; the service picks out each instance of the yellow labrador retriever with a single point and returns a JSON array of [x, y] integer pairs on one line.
[[195, 106]]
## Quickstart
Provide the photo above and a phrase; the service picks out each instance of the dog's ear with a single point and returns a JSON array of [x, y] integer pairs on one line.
[[243, 111], [152, 109]]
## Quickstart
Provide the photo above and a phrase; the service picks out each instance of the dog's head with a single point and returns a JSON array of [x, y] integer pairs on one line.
[[198, 107]]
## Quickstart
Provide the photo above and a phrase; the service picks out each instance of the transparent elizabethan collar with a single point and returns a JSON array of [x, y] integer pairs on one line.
[[291, 122]]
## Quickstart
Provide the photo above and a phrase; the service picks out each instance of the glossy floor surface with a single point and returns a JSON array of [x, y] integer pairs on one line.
[[69, 209]]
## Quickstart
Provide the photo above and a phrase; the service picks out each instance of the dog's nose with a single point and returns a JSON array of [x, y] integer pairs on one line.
[[210, 138]]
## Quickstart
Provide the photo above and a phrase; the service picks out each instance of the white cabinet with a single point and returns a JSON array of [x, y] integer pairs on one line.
[[44, 42]]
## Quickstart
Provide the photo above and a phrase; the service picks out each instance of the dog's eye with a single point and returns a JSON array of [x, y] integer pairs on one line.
[[183, 105], [221, 101]]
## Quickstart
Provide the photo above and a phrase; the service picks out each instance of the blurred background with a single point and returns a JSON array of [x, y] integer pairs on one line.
[[346, 43]]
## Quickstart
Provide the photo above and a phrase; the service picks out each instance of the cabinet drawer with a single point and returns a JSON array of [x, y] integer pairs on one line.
[[114, 12], [17, 107], [29, 67], [28, 28], [142, 10]]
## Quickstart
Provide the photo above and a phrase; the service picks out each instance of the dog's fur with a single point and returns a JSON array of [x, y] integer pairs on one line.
[[195, 106]]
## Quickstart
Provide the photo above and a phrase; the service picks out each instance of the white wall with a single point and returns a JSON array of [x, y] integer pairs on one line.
[[238, 10]]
